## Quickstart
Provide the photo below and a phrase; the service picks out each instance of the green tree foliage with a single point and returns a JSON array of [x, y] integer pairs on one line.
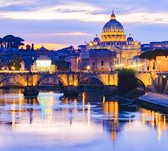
[[126, 81], [62, 65], [152, 54]]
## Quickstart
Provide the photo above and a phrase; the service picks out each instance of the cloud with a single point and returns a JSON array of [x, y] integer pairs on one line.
[[75, 21], [66, 11], [23, 3], [72, 34], [83, 12], [60, 34], [145, 17]]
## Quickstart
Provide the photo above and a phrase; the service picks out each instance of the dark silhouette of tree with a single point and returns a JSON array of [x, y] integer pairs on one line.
[[18, 42], [153, 54], [62, 65], [28, 47], [15, 64], [126, 81], [8, 40], [1, 43], [11, 41]]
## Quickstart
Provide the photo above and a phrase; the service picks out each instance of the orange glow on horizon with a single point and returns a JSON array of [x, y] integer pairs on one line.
[[49, 46]]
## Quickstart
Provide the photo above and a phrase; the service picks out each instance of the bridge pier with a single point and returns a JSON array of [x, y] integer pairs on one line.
[[110, 91], [30, 92], [71, 91]]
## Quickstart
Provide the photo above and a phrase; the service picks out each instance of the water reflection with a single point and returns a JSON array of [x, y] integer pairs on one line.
[[155, 120], [111, 109], [67, 122]]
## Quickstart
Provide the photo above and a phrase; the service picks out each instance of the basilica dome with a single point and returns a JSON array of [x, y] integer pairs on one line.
[[96, 40], [113, 32]]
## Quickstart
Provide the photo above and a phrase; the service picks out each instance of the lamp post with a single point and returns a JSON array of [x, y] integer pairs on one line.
[[13, 67], [88, 68]]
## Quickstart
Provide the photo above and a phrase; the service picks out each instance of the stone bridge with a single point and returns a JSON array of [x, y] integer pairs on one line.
[[155, 81], [66, 78]]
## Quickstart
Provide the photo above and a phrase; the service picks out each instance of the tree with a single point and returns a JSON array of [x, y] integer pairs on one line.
[[18, 42], [15, 64], [8, 40], [62, 65], [11, 41], [126, 81], [1, 43], [153, 54]]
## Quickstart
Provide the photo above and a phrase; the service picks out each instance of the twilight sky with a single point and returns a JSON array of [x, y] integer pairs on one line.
[[60, 23]]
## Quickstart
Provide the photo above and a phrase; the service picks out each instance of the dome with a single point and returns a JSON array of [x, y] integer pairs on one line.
[[96, 40], [43, 49], [113, 26], [130, 39], [113, 31], [135, 57]]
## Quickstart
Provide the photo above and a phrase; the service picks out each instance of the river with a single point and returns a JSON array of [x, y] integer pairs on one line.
[[87, 123]]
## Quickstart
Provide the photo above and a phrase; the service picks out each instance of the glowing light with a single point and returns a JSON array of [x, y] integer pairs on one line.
[[119, 65], [13, 68], [164, 76], [135, 65], [88, 68], [43, 65], [13, 107], [156, 120], [88, 114], [75, 83], [83, 102], [7, 71]]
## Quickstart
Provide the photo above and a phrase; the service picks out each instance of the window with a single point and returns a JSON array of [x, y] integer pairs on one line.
[[102, 63]]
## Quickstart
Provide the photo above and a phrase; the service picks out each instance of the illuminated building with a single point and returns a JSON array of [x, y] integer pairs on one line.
[[113, 38], [43, 63], [75, 63], [162, 63], [155, 45], [97, 60]]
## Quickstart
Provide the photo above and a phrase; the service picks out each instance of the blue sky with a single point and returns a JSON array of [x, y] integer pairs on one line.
[[59, 23]]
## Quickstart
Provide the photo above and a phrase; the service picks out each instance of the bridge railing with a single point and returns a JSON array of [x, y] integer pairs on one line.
[[57, 72]]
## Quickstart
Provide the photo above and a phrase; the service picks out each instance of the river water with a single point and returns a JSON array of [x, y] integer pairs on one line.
[[87, 123]]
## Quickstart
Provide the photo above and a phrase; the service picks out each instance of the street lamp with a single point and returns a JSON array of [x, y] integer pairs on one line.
[[164, 76], [88, 68], [13, 68]]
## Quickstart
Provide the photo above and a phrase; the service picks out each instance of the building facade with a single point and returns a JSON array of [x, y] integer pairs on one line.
[[155, 45], [97, 60], [113, 38]]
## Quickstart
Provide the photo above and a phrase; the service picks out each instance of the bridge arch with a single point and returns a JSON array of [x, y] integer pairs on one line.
[[87, 77], [44, 77], [18, 80], [141, 85], [145, 78]]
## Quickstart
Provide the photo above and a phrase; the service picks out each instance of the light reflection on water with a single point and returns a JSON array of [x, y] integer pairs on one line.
[[87, 123]]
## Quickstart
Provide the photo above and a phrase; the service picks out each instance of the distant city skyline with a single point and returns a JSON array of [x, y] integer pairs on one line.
[[60, 23]]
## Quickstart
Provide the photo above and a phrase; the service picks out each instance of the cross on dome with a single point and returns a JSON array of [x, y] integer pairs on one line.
[[113, 17]]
